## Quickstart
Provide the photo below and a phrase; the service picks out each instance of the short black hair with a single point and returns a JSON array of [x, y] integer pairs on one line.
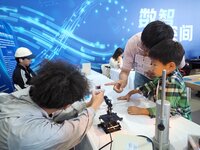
[[155, 32], [58, 84], [17, 59], [117, 53], [167, 51]]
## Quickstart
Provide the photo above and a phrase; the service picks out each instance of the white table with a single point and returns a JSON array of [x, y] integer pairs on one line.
[[179, 130], [114, 75]]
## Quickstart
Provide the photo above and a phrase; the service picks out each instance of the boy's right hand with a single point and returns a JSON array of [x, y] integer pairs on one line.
[[126, 97]]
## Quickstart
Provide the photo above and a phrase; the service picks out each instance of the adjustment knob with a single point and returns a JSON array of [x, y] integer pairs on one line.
[[161, 127]]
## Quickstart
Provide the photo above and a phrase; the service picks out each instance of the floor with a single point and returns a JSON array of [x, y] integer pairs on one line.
[[195, 106]]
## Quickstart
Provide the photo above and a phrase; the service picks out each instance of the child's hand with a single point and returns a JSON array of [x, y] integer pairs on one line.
[[126, 97], [133, 110]]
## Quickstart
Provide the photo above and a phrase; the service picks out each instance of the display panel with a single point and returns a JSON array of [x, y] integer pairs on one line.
[[80, 31]]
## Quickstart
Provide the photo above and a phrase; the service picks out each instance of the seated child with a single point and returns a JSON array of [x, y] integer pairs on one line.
[[116, 60], [165, 55]]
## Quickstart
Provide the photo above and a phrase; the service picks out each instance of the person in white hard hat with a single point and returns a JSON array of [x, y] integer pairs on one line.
[[23, 73]]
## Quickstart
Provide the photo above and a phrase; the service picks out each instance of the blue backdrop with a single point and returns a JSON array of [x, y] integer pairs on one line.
[[80, 31]]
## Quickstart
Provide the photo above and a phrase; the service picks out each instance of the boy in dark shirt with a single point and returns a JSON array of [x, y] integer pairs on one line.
[[23, 73]]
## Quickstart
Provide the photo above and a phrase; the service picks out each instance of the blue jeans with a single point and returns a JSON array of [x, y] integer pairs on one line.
[[140, 80]]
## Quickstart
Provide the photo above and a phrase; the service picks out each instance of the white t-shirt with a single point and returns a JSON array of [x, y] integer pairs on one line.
[[115, 64]]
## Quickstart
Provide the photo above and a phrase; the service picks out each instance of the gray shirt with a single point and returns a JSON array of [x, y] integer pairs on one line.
[[24, 125]]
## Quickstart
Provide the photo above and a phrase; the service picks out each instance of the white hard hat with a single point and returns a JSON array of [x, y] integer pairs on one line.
[[23, 52]]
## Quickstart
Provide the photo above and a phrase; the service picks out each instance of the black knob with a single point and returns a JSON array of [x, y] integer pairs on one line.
[[161, 127]]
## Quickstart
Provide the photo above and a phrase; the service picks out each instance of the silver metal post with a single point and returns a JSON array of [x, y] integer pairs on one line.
[[162, 108], [161, 139], [163, 93]]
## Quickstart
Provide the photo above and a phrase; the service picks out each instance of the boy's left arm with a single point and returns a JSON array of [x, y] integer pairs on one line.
[[177, 96], [134, 110]]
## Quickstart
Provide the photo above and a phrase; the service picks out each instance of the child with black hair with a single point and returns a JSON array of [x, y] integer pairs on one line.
[[23, 74], [165, 55]]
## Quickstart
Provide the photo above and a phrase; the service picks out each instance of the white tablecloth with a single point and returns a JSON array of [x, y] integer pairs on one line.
[[114, 75], [179, 130]]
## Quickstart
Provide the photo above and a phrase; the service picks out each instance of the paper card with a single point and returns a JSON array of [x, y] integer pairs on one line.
[[130, 142]]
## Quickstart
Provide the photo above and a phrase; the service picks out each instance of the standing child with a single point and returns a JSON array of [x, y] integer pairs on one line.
[[22, 74], [165, 55]]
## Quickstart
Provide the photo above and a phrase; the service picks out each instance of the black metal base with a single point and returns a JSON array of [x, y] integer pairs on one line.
[[110, 127], [109, 122]]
